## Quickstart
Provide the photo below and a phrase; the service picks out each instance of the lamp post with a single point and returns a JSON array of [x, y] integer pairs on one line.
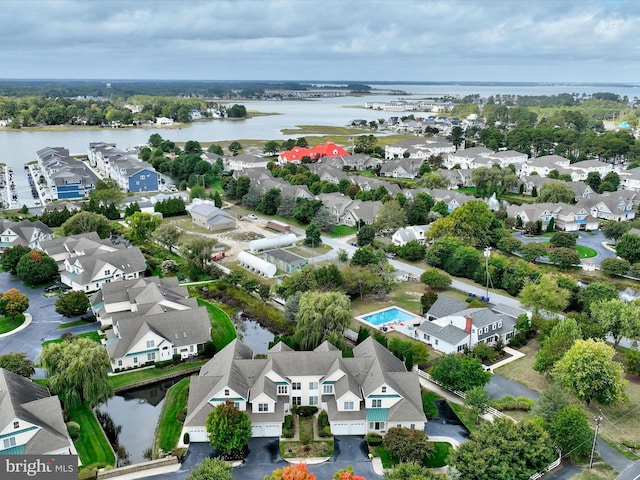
[[487, 254]]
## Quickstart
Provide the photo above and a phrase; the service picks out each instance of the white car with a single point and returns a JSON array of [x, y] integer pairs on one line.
[[251, 216]]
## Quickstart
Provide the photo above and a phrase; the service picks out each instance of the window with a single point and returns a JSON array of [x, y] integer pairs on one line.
[[16, 425], [150, 343], [135, 360], [425, 336], [296, 401], [313, 400], [436, 341], [142, 177], [237, 405], [151, 356], [107, 272], [500, 324], [263, 407], [296, 386], [412, 426], [313, 385], [119, 363], [9, 442], [494, 326], [460, 348], [327, 389], [226, 392], [384, 389], [376, 403], [283, 389], [348, 405]]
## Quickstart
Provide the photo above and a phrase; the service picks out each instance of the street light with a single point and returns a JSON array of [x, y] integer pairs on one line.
[[487, 254]]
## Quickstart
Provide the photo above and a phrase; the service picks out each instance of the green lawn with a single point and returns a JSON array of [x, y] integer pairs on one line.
[[92, 445], [95, 336], [584, 252], [464, 414], [342, 231], [428, 407], [387, 460], [222, 329], [124, 379], [7, 324], [75, 323], [169, 427], [440, 455]]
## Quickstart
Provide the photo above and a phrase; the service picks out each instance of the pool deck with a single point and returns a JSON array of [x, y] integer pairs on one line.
[[403, 326]]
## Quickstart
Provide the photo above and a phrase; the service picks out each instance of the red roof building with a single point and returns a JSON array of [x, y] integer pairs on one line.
[[296, 154]]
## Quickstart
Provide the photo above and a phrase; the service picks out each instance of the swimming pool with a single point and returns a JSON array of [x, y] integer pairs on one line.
[[387, 315]]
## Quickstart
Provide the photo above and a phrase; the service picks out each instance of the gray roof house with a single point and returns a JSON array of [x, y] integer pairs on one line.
[[31, 421], [367, 393], [27, 233], [211, 217]]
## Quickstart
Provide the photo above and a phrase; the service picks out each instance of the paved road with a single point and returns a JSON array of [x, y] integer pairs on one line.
[[591, 241], [44, 321], [631, 473], [500, 386]]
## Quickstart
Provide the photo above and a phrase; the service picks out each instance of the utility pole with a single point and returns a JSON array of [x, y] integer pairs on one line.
[[595, 437]]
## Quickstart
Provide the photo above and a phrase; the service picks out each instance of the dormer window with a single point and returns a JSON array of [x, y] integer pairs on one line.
[[384, 389], [226, 392], [16, 425]]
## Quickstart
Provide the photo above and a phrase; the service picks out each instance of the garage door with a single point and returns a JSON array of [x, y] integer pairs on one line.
[[256, 430], [198, 436], [357, 429], [272, 430], [340, 429]]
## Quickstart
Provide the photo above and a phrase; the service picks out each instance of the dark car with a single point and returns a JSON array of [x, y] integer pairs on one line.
[[57, 286]]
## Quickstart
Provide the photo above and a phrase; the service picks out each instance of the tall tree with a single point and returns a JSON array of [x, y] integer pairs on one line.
[[589, 371], [322, 316], [77, 371], [618, 318], [365, 235], [570, 431], [559, 341], [471, 222], [503, 450], [406, 444], [628, 247], [85, 222], [36, 268], [312, 236], [13, 303], [167, 234], [556, 191], [391, 216], [544, 293], [459, 372], [72, 303], [477, 400], [229, 429], [18, 363], [11, 256], [143, 225]]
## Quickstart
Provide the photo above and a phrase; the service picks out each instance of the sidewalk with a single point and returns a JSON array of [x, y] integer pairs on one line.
[[515, 355]]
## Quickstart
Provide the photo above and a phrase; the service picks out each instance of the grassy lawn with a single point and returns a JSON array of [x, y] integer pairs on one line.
[[522, 371], [342, 231], [584, 252], [387, 460], [464, 414], [95, 336], [428, 407], [124, 379], [169, 427], [75, 323], [600, 471], [7, 324], [321, 448], [440, 455], [222, 329], [92, 445], [405, 295]]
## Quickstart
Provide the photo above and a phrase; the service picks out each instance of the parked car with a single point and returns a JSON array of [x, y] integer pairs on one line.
[[57, 286], [251, 216]]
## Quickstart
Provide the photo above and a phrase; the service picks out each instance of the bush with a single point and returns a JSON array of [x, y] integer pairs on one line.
[[288, 432], [374, 439], [307, 411], [179, 452], [185, 438], [511, 403], [288, 421], [323, 419], [74, 430], [326, 432], [162, 364], [181, 415]]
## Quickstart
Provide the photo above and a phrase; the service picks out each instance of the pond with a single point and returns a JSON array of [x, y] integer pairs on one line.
[[252, 333]]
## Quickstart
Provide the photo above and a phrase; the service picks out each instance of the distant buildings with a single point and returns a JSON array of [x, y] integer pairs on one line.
[[297, 154], [66, 177], [131, 173], [27, 233]]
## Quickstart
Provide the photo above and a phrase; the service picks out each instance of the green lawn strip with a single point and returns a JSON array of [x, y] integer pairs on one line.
[[169, 427], [342, 231], [7, 324], [92, 445], [129, 378], [95, 336], [387, 460], [584, 252], [222, 330], [440, 455], [465, 416], [428, 405], [75, 323]]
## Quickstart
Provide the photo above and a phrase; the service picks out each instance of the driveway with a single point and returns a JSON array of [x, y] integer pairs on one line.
[[500, 386], [593, 241], [44, 321]]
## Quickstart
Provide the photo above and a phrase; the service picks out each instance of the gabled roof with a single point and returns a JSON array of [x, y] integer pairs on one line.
[[446, 305]]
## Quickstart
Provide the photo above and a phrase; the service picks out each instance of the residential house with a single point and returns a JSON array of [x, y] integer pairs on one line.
[[456, 177], [422, 148], [467, 157], [630, 179], [66, 177], [87, 273], [131, 173], [352, 162], [581, 189], [579, 171], [402, 168], [361, 213], [535, 211], [63, 248], [140, 295], [572, 218], [617, 206], [244, 162], [452, 199], [27, 233], [31, 420], [212, 218], [370, 392], [404, 235], [328, 173], [543, 165], [144, 337], [533, 181]]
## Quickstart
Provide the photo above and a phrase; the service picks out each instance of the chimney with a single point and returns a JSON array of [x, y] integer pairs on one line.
[[467, 327]]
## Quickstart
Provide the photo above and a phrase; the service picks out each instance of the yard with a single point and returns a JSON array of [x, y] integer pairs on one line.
[[129, 378], [95, 336], [222, 329], [92, 445], [169, 425], [7, 324], [307, 447]]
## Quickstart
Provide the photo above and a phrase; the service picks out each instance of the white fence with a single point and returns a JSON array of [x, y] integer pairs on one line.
[[549, 467]]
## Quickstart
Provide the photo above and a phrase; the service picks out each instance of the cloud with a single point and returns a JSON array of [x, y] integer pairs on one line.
[[332, 39]]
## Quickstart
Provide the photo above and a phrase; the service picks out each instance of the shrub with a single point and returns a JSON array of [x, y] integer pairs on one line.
[[181, 415], [307, 411], [374, 439], [288, 420], [179, 453], [323, 419], [326, 432], [74, 430], [185, 438], [288, 432], [510, 403], [305, 438]]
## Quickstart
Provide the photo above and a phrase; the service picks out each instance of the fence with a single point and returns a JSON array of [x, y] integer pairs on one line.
[[549, 467]]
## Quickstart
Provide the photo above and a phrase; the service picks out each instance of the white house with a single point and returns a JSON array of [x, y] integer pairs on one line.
[[370, 392], [404, 235], [26, 233]]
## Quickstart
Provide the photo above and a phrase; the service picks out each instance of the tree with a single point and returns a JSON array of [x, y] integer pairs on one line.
[[252, 198], [533, 250], [328, 277], [347, 474], [18, 363], [550, 402], [131, 209], [365, 235], [406, 444], [593, 180], [596, 292], [412, 251], [210, 469], [270, 201], [287, 206], [215, 149], [312, 236], [456, 136], [72, 303], [570, 431], [588, 370], [241, 187], [217, 200], [85, 222], [563, 239], [365, 256], [408, 471], [13, 303], [544, 293], [459, 372], [36, 268], [143, 225], [564, 258], [509, 244], [391, 216], [432, 180], [234, 148], [167, 234], [322, 316], [559, 341], [435, 279], [618, 318], [324, 219], [503, 450], [11, 256], [611, 178], [197, 253], [471, 222], [555, 191], [297, 471], [614, 230], [106, 191], [628, 247], [477, 401], [271, 147], [77, 371], [615, 267], [229, 429]]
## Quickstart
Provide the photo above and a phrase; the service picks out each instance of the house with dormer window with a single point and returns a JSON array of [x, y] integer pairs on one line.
[[370, 392], [31, 421], [26, 233]]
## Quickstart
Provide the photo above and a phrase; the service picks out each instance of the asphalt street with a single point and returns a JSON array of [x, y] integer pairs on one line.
[[593, 240]]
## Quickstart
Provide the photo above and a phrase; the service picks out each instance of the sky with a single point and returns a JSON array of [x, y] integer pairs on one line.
[[361, 40]]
